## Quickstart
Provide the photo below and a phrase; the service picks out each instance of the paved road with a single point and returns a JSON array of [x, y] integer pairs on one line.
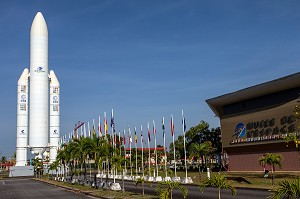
[[17, 188], [194, 192], [26, 188]]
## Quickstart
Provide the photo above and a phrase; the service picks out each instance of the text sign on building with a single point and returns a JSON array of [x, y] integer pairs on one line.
[[264, 130]]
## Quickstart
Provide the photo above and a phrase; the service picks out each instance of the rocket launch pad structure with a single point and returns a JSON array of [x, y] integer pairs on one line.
[[34, 120]]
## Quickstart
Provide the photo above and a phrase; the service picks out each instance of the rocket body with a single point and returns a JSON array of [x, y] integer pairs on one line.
[[39, 85]]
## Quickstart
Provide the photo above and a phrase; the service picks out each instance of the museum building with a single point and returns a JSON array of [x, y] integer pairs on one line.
[[255, 120]]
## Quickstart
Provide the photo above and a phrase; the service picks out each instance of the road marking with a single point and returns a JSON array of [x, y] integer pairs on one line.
[[3, 182]]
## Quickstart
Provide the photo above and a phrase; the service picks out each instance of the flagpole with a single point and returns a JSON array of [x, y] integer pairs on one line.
[[173, 132], [149, 151], [142, 140], [89, 129], [120, 142], [112, 124], [155, 151], [164, 136], [130, 140], [124, 144], [135, 141], [183, 130]]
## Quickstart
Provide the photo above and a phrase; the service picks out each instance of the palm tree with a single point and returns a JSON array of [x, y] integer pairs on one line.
[[289, 189], [272, 160], [165, 189], [38, 166], [54, 166], [218, 181], [64, 156], [3, 159], [200, 150], [79, 149], [140, 180]]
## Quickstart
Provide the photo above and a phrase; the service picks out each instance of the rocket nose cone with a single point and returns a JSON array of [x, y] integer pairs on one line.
[[39, 26]]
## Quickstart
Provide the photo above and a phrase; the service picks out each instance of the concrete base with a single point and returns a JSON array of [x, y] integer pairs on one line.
[[187, 180], [16, 171], [150, 179], [128, 178], [167, 179], [115, 187], [157, 179], [176, 179]]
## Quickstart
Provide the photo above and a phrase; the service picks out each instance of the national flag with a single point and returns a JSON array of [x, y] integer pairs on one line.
[[183, 123], [163, 126], [129, 134], [112, 122], [89, 129], [99, 127], [120, 141], [154, 129], [124, 137], [94, 128], [149, 138], [142, 137], [135, 137], [84, 130], [172, 125], [105, 124]]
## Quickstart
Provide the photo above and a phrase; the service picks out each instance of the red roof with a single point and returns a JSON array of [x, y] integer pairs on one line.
[[147, 149]]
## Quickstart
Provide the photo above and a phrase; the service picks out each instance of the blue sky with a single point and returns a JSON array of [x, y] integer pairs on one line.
[[147, 59]]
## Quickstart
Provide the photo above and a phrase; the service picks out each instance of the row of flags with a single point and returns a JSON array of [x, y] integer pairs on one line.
[[88, 133]]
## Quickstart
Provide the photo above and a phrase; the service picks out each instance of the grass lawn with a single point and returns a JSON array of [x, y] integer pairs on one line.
[[245, 180]]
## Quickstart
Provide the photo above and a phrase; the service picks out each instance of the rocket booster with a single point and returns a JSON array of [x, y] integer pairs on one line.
[[54, 115], [22, 119]]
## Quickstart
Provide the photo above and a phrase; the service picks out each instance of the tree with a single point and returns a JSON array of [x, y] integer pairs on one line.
[[79, 149], [288, 189], [218, 181], [272, 160], [199, 134], [38, 166], [63, 156], [165, 189], [198, 150], [142, 181], [3, 159], [54, 166]]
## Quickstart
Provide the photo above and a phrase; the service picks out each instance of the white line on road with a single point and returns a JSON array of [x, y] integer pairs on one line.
[[3, 182]]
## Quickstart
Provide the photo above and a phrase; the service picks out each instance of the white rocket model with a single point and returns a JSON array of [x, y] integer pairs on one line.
[[38, 99]]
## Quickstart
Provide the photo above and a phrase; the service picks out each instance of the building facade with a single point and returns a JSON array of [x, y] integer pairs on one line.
[[255, 120]]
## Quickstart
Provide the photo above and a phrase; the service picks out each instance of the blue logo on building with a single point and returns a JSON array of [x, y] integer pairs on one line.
[[240, 130]]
